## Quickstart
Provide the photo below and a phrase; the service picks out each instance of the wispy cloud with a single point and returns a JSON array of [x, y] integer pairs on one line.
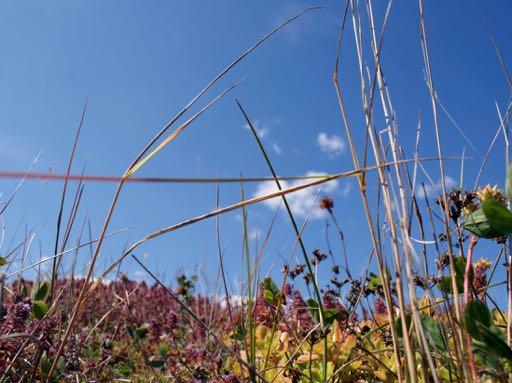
[[431, 189], [263, 131], [332, 145], [300, 202], [255, 234], [346, 190]]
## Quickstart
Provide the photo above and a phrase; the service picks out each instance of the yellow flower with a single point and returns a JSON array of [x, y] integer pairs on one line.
[[483, 263], [490, 193]]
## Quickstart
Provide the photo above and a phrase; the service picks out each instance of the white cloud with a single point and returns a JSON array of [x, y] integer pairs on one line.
[[277, 148], [432, 189], [347, 188], [263, 131], [332, 145], [300, 201], [255, 234]]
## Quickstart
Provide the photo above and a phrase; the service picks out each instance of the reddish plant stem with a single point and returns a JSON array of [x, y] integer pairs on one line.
[[467, 274]]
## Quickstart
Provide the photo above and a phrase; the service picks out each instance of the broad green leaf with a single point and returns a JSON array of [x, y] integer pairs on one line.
[[433, 332], [45, 364], [3, 261], [39, 309], [269, 297], [499, 217], [40, 291], [485, 356], [508, 184], [476, 315], [477, 224], [495, 341]]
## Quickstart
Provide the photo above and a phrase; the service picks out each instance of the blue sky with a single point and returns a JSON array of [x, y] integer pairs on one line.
[[137, 63]]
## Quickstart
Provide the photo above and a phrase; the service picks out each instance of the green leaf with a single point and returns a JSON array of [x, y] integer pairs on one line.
[[499, 217], [476, 315], [486, 356], [477, 224], [24, 290], [375, 282], [40, 291], [494, 340], [45, 364], [270, 291], [156, 361], [508, 184], [240, 333], [141, 332], [3, 261], [269, 297], [91, 353], [330, 316], [433, 332], [445, 283], [313, 309], [39, 309], [398, 324], [164, 350], [125, 368]]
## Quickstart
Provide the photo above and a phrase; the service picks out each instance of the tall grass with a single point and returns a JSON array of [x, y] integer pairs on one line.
[[403, 324]]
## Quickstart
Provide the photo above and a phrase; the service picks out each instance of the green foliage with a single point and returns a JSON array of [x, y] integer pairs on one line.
[[445, 283], [39, 309], [125, 368], [270, 292], [498, 216], [45, 365], [476, 315], [478, 224], [508, 184], [433, 333], [489, 344], [139, 333], [330, 315], [40, 291], [398, 326]]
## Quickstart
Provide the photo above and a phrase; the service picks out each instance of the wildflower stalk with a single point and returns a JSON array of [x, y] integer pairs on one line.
[[467, 274]]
